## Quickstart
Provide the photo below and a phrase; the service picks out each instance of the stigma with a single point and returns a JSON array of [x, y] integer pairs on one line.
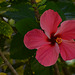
[[59, 40]]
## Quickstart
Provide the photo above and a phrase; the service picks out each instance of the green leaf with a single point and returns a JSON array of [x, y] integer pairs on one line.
[[68, 8], [5, 9], [22, 11], [26, 25], [27, 70], [42, 2], [5, 29], [42, 7], [53, 6], [18, 49], [38, 69]]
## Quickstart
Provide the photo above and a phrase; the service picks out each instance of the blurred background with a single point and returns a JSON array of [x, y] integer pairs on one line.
[[16, 18]]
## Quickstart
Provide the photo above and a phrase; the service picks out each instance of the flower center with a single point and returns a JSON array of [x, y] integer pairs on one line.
[[58, 40], [54, 39]]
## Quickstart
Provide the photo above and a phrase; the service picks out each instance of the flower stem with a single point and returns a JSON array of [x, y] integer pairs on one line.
[[56, 69], [7, 63], [64, 68]]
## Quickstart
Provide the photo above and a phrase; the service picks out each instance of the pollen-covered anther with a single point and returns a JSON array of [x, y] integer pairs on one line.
[[59, 40]]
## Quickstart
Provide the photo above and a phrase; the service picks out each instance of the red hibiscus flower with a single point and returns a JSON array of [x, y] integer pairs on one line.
[[52, 41]]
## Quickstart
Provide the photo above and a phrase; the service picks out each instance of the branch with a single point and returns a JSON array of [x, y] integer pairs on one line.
[[2, 65], [56, 69], [36, 11], [8, 64]]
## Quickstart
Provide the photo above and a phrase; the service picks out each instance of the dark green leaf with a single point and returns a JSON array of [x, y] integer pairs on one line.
[[26, 25], [53, 6], [18, 49], [27, 70], [42, 2], [68, 8], [38, 69], [22, 11]]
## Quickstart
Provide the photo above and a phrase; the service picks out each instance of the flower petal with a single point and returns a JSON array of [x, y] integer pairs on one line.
[[49, 21], [67, 49], [67, 30], [35, 38], [47, 55]]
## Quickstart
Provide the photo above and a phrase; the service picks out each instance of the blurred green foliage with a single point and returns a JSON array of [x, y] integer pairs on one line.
[[5, 29]]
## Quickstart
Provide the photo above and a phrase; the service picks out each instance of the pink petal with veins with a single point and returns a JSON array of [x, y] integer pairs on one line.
[[67, 30], [47, 55], [49, 21], [35, 38], [67, 49]]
